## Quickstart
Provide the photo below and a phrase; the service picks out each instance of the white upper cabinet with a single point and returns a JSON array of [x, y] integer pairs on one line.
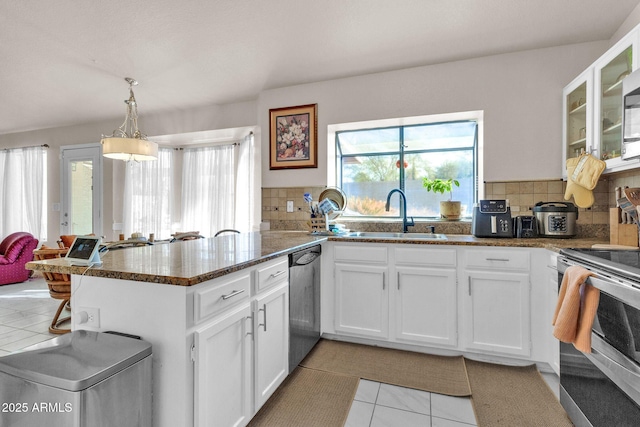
[[608, 73], [577, 107], [592, 107]]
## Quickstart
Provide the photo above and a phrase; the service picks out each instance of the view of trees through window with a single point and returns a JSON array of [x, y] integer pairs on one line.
[[372, 162]]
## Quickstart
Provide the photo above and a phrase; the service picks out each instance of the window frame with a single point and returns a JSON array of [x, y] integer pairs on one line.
[[475, 150]]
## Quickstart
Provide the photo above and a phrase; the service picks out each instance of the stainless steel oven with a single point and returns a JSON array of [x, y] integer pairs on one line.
[[602, 388]]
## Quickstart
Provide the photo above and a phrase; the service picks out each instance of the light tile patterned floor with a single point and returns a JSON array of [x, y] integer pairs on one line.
[[380, 405], [26, 310]]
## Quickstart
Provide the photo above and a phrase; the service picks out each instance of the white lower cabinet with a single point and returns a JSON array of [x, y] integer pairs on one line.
[[241, 355], [271, 340], [496, 300], [552, 343], [475, 300], [425, 305], [395, 293], [496, 313], [224, 370], [362, 300]]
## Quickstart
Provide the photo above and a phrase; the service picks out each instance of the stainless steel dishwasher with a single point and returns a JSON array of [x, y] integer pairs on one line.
[[304, 303]]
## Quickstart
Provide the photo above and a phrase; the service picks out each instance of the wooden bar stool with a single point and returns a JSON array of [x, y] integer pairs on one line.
[[59, 287]]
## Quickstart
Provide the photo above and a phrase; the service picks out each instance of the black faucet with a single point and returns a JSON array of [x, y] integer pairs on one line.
[[406, 222]]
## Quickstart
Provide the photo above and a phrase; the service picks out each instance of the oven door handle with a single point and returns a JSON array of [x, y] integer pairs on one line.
[[617, 288], [616, 366]]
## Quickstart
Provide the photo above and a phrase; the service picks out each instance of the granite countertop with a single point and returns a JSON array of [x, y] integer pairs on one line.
[[191, 262]]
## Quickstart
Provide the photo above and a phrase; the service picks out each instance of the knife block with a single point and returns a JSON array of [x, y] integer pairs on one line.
[[621, 234]]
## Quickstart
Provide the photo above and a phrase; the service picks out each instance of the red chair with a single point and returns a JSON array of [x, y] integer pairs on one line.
[[15, 251]]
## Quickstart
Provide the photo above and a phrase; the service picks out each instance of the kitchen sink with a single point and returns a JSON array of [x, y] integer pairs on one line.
[[388, 235]]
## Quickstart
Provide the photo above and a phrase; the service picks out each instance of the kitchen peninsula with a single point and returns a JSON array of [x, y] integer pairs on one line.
[[182, 297]]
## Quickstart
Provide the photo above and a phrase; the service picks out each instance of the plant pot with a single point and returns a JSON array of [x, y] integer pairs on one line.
[[450, 210]]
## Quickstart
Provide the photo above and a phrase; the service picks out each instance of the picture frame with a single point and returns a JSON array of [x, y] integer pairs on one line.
[[293, 137]]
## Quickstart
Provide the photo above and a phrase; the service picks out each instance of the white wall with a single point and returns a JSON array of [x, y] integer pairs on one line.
[[520, 93]]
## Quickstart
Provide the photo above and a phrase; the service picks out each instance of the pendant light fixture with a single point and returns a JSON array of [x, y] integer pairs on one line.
[[127, 142]]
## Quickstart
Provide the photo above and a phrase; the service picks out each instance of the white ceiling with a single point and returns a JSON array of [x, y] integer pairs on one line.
[[63, 62]]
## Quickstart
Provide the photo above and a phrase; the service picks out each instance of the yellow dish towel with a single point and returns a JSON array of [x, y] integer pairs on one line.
[[576, 309]]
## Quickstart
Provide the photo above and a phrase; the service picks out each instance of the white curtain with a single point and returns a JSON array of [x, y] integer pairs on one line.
[[148, 191], [245, 186], [208, 189], [23, 183]]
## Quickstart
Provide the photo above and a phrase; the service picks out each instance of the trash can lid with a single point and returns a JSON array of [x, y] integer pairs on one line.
[[77, 360]]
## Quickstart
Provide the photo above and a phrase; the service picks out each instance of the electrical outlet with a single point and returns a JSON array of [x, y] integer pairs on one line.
[[92, 316], [289, 205]]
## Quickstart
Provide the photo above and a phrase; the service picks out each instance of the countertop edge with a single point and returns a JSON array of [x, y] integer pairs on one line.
[[60, 266]]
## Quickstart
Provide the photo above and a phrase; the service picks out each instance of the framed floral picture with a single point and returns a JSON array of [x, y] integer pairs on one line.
[[293, 137]]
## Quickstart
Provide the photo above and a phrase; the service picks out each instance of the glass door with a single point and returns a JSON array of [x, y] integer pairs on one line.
[[609, 71], [81, 173], [578, 118]]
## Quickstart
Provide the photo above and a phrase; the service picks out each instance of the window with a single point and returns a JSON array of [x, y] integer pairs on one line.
[[208, 189], [148, 193], [204, 189], [23, 180], [369, 166]]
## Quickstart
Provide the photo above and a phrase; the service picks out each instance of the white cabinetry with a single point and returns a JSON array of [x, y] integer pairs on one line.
[[577, 107], [271, 338], [241, 349], [592, 106], [396, 293], [608, 72], [552, 299], [496, 301], [425, 296], [361, 291], [224, 370]]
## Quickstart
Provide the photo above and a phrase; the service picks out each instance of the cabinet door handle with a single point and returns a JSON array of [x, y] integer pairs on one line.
[[277, 274], [264, 310], [384, 275], [497, 259], [398, 280], [469, 282], [232, 294], [251, 323]]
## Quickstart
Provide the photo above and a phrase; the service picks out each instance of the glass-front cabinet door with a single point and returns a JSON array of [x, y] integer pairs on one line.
[[609, 71], [578, 117]]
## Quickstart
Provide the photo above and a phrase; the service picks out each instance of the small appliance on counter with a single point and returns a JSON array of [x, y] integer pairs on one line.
[[556, 219], [492, 218], [525, 226]]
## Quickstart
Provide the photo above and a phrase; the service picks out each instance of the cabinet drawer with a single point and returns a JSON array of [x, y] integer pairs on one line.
[[214, 299], [502, 259], [270, 273], [424, 256], [360, 253]]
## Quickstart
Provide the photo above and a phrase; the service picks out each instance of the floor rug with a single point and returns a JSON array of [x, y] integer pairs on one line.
[[438, 374], [513, 396], [309, 398]]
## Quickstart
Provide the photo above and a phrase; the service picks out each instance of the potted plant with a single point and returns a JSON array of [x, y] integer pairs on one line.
[[449, 209]]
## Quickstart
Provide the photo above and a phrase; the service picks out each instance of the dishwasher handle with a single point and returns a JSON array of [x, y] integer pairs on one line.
[[302, 258]]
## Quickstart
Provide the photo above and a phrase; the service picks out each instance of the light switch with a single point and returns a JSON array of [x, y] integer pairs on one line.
[[289, 205]]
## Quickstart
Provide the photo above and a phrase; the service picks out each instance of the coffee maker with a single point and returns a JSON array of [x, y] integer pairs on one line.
[[492, 218]]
